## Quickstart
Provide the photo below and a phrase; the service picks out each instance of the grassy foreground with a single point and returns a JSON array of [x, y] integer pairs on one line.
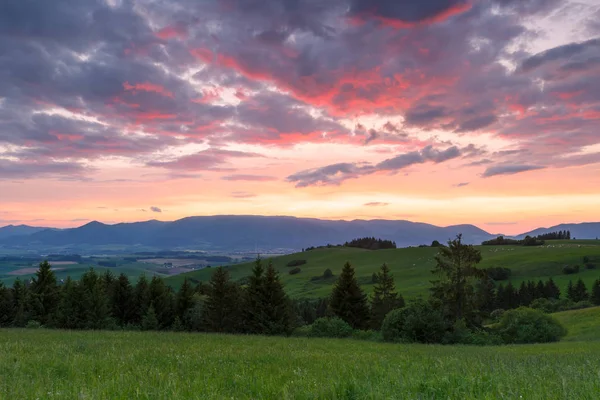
[[127, 365]]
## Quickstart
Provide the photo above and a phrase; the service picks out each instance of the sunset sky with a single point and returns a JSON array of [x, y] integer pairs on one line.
[[440, 111]]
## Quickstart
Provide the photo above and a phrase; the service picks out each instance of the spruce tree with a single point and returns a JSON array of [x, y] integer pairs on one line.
[[501, 302], [72, 313], [185, 299], [571, 295], [551, 290], [141, 295], [44, 295], [348, 301], [581, 292], [21, 303], [511, 296], [95, 300], [162, 299], [122, 302], [385, 298], [253, 313], [457, 272], [595, 297], [525, 297], [221, 309], [149, 320], [7, 309], [278, 312]]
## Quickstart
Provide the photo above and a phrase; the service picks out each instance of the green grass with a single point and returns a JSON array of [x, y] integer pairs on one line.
[[412, 266], [133, 365], [582, 325]]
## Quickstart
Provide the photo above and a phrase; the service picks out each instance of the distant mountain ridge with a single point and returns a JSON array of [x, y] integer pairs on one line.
[[248, 232]]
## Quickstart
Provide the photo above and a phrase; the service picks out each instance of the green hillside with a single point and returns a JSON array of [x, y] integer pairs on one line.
[[412, 266], [582, 325]]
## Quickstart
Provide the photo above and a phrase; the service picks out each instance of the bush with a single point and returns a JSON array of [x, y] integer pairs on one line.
[[461, 334], [497, 314], [331, 328], [498, 273], [568, 270], [302, 331], [417, 322], [32, 324], [370, 335], [590, 266], [295, 271], [296, 263], [526, 325], [327, 273]]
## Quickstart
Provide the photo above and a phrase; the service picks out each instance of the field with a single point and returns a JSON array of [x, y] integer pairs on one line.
[[128, 365], [412, 266], [583, 324]]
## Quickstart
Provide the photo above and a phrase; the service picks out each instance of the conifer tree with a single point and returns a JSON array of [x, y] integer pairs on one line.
[[571, 295], [511, 296], [253, 313], [539, 290], [122, 302], [21, 303], [595, 297], [501, 302], [525, 297], [44, 295], [72, 313], [348, 301], [221, 309], [551, 290], [142, 298], [185, 299], [457, 271], [6, 306], [95, 300], [149, 320], [278, 312], [580, 291], [385, 298], [161, 298]]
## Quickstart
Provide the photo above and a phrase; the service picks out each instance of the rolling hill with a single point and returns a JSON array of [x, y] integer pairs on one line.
[[412, 266], [18, 230], [587, 230]]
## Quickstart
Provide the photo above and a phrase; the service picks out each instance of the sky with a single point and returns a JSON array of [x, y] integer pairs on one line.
[[441, 111]]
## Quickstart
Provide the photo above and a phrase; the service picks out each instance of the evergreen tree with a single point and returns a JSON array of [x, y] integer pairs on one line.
[[580, 291], [7, 309], [595, 298], [21, 303], [501, 302], [551, 290], [511, 298], [348, 301], [456, 267], [161, 298], [278, 312], [221, 309], [185, 299], [141, 295], [571, 295], [95, 301], [539, 290], [253, 313], [71, 309], [486, 295], [44, 295], [149, 320], [122, 301], [385, 298], [525, 297]]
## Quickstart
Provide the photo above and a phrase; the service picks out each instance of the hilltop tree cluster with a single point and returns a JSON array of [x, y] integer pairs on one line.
[[371, 243], [559, 235]]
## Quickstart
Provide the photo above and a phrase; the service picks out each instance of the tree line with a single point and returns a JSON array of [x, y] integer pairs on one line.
[[462, 297]]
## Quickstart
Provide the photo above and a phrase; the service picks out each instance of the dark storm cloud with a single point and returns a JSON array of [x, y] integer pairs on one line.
[[559, 53]]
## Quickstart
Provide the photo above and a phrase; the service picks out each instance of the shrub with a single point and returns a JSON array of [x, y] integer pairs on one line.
[[568, 270], [370, 335], [497, 314], [461, 334], [590, 266], [295, 271], [526, 325], [498, 273], [302, 331], [296, 263], [417, 322], [327, 273], [330, 327], [32, 324]]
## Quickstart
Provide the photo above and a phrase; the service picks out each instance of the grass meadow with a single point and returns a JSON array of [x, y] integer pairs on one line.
[[49, 364]]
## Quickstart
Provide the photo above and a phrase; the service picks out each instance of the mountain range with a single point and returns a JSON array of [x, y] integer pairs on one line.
[[245, 232]]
